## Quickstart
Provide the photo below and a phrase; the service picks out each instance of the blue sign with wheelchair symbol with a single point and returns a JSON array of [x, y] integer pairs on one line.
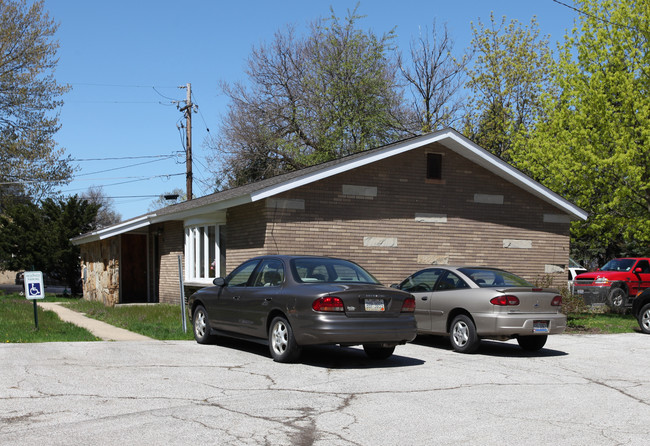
[[35, 289], [33, 285]]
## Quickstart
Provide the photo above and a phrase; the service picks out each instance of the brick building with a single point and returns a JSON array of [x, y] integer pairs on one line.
[[432, 199]]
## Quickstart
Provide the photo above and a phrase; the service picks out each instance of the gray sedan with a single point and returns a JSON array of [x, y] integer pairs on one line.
[[295, 301], [470, 303]]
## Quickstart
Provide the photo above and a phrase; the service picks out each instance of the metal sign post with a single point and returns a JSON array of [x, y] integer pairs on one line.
[[34, 289], [180, 280]]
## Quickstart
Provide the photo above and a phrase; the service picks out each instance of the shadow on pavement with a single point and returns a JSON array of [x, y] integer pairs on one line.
[[326, 356], [491, 348]]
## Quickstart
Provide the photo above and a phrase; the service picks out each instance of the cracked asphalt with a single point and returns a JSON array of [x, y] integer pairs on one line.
[[580, 390]]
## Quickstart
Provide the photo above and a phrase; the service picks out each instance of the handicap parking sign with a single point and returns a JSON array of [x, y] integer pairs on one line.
[[34, 285]]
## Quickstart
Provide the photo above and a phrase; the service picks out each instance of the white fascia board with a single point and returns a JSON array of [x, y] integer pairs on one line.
[[344, 167], [201, 211], [112, 231], [496, 165], [452, 140]]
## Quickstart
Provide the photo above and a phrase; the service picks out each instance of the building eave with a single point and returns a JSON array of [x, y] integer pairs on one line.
[[221, 201]]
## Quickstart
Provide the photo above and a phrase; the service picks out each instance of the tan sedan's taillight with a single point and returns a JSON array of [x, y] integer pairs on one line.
[[505, 300], [557, 301]]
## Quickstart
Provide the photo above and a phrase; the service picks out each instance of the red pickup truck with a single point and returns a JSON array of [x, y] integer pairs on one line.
[[616, 284]]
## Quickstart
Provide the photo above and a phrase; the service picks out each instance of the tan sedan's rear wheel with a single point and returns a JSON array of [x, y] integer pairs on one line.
[[463, 335]]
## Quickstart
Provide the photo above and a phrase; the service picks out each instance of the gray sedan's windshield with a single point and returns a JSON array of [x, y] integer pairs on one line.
[[323, 270], [618, 265], [493, 277]]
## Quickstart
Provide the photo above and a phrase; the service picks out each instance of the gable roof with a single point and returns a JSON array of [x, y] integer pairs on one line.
[[220, 201]]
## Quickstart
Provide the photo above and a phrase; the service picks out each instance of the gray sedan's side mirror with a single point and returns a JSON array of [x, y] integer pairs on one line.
[[219, 281]]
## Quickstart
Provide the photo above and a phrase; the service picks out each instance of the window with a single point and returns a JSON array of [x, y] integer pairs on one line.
[[451, 282], [270, 274], [241, 276], [434, 166], [325, 270], [422, 281], [203, 256]]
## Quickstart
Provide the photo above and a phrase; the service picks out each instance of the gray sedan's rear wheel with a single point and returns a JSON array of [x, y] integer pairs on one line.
[[616, 300], [201, 325], [644, 319], [532, 343], [282, 343], [378, 352], [463, 335]]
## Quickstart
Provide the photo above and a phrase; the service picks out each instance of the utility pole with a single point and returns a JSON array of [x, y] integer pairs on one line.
[[189, 107]]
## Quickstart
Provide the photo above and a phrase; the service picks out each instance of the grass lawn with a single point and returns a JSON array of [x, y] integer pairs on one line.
[[158, 321], [161, 321], [601, 323], [17, 323]]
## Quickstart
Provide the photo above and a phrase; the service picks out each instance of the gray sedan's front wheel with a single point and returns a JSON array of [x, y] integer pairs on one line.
[[201, 325], [282, 343], [463, 335], [644, 319]]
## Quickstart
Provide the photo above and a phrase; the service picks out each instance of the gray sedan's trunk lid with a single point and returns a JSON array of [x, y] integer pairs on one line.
[[365, 300]]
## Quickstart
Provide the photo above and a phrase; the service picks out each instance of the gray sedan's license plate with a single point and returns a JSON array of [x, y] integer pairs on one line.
[[375, 305], [540, 326]]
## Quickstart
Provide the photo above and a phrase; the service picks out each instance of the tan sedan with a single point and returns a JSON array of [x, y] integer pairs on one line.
[[470, 303]]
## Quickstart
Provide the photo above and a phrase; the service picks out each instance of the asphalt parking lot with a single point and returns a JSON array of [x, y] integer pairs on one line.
[[580, 390]]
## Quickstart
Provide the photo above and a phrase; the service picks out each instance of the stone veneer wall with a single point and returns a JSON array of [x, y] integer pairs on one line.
[[100, 271]]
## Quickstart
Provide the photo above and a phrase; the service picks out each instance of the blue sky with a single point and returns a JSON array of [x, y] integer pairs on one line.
[[126, 59]]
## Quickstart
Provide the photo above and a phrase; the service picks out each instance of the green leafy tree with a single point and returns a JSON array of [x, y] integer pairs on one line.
[[309, 100], [593, 145], [512, 69], [28, 101], [33, 237]]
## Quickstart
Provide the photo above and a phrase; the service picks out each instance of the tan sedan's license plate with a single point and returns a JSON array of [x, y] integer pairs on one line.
[[540, 326], [375, 305]]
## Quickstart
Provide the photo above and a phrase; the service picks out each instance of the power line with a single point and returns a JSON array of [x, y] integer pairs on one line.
[[125, 157], [122, 167], [93, 84], [600, 19]]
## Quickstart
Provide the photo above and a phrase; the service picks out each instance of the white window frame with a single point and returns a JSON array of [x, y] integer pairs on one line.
[[197, 271]]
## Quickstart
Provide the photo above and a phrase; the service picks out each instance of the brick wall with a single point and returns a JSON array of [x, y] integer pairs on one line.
[[246, 233], [387, 217], [171, 244]]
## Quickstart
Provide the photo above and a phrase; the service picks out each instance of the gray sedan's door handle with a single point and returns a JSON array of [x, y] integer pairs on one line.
[[268, 299], [424, 297], [235, 297]]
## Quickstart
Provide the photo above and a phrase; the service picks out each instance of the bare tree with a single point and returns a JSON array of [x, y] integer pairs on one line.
[[434, 76], [308, 100], [106, 215], [176, 196]]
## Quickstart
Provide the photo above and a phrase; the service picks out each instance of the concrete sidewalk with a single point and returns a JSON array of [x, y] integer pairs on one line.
[[100, 329]]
